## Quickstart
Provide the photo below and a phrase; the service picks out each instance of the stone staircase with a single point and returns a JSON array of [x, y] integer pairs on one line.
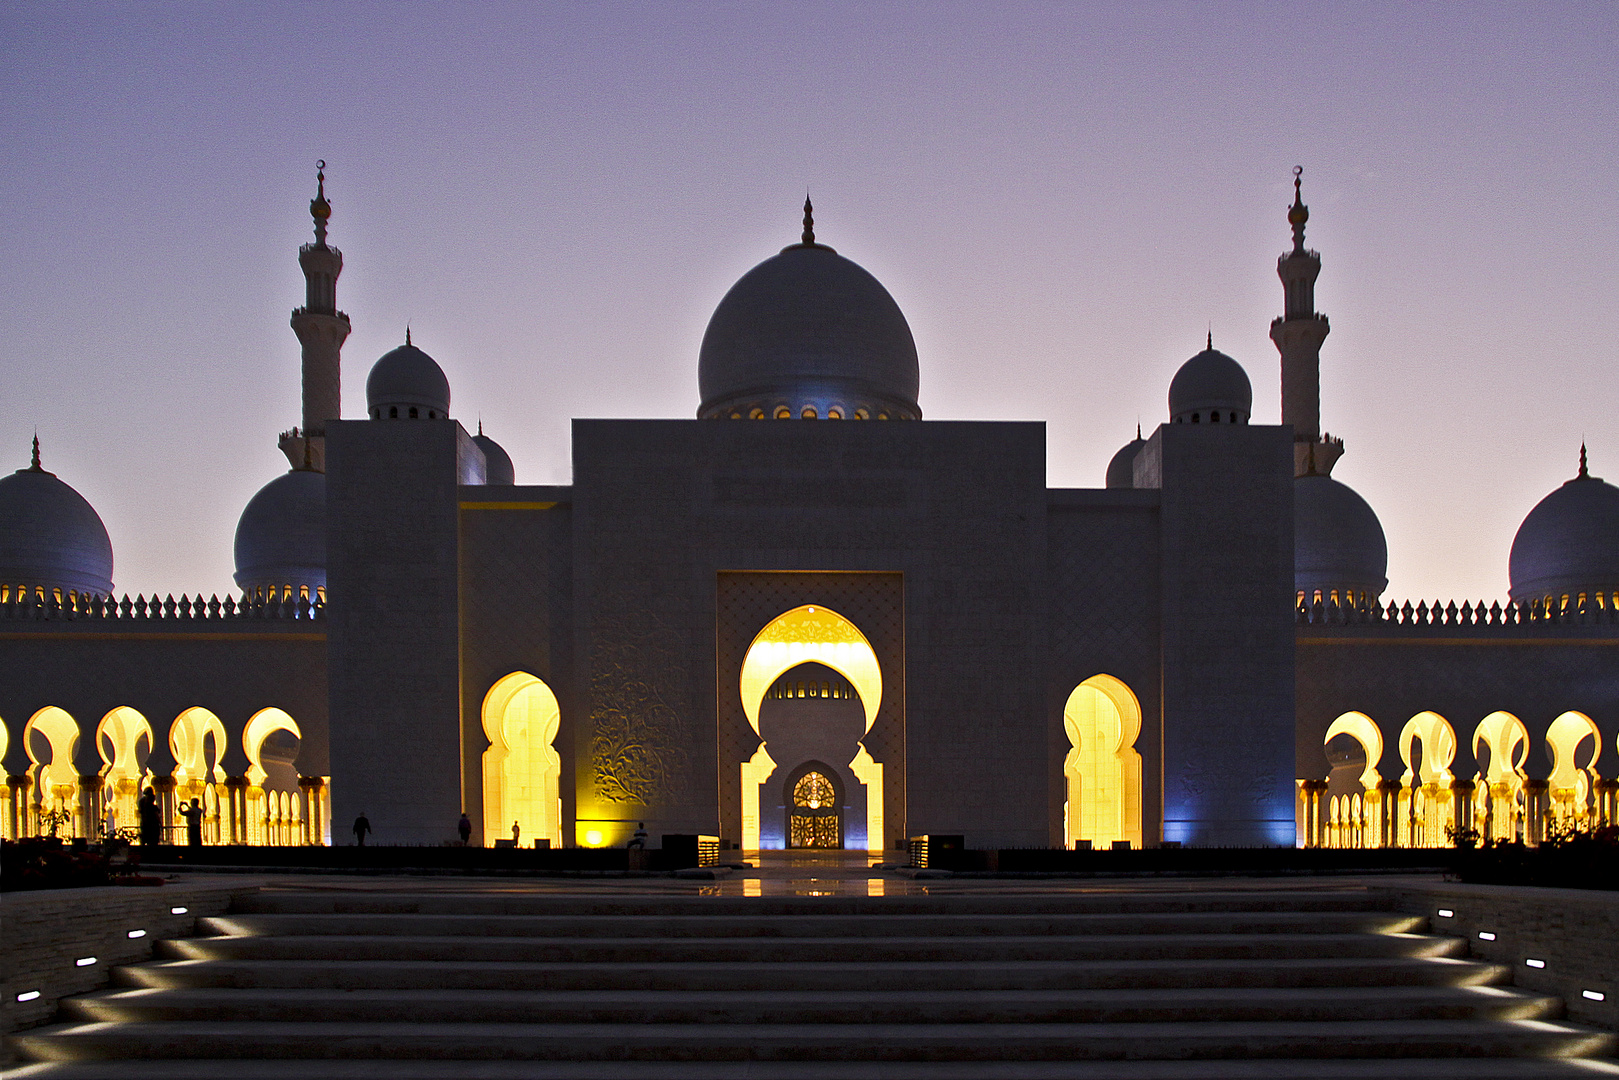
[[1318, 983]]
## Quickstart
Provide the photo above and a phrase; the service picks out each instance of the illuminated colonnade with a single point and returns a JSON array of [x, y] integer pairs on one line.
[[522, 771], [1102, 770], [811, 634], [52, 796], [1430, 806]]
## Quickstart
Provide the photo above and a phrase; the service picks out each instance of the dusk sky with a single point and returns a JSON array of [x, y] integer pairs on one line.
[[1063, 199]]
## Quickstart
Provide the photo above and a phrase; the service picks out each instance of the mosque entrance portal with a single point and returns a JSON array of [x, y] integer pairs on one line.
[[811, 709]]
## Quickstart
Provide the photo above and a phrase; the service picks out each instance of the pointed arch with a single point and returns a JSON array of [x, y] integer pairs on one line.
[[119, 737], [1438, 741], [189, 737], [51, 740], [1571, 785], [1364, 730], [1508, 742], [1102, 718], [804, 634], [522, 771], [259, 727]]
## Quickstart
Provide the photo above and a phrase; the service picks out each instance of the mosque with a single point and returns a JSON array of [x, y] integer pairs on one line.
[[794, 634]]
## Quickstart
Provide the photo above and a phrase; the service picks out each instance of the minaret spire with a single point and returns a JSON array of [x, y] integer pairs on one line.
[[321, 330], [37, 467], [1584, 471], [809, 222], [1298, 335]]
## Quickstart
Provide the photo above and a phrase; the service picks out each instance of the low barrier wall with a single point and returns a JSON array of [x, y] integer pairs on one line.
[[59, 942], [1573, 933]]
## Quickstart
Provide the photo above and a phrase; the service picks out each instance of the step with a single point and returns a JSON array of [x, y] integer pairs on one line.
[[1124, 900], [1199, 1005], [787, 949], [815, 1042], [970, 975], [1264, 1069], [807, 926]]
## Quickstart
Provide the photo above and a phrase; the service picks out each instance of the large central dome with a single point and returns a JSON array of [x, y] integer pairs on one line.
[[808, 334]]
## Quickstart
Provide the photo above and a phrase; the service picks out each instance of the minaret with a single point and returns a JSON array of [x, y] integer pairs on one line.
[[321, 329], [1298, 335]]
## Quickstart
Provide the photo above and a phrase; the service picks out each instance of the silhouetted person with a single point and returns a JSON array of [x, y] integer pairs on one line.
[[464, 827], [516, 833], [193, 816], [361, 827], [151, 818], [639, 840]]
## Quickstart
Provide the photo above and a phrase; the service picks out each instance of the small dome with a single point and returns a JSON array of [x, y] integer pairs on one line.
[[808, 333], [497, 464], [1569, 543], [1338, 543], [1121, 471], [50, 536], [407, 379], [281, 537], [1210, 388]]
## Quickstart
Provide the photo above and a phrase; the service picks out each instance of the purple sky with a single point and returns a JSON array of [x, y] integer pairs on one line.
[[1062, 198]]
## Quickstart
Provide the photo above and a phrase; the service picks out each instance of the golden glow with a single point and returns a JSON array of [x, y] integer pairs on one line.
[[522, 771], [1103, 770], [188, 743], [257, 730], [122, 730], [806, 634], [1508, 741], [870, 773], [593, 837], [1438, 741], [61, 733], [755, 771], [814, 820], [1571, 786], [1364, 730]]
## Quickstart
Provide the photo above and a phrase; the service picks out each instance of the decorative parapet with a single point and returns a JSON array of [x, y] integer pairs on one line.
[[1588, 612], [32, 604]]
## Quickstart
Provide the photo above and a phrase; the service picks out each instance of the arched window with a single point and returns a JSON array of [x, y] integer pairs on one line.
[[835, 413], [756, 413], [413, 413], [393, 412], [783, 413], [1214, 418], [808, 413]]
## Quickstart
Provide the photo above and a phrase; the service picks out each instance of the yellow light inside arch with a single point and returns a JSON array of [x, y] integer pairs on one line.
[[806, 634], [593, 838]]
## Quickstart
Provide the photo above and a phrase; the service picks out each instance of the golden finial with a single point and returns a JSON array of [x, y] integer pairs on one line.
[[809, 222], [37, 467], [1584, 472], [1298, 213], [319, 208], [407, 333]]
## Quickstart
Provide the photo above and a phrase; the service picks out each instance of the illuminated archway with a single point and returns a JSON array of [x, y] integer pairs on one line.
[[522, 771], [118, 739], [56, 780], [1103, 770], [188, 742], [1571, 786], [1354, 813], [264, 825], [196, 770], [1364, 730], [1498, 790], [811, 633], [1425, 808]]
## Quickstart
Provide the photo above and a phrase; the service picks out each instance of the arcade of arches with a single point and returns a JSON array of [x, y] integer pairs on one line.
[[1425, 802], [268, 804]]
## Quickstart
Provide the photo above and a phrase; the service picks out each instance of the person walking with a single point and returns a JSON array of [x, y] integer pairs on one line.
[[361, 827], [464, 827], [151, 818], [193, 816]]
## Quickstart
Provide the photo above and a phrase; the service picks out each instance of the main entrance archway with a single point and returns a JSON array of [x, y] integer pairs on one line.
[[1103, 770], [522, 771], [816, 635]]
